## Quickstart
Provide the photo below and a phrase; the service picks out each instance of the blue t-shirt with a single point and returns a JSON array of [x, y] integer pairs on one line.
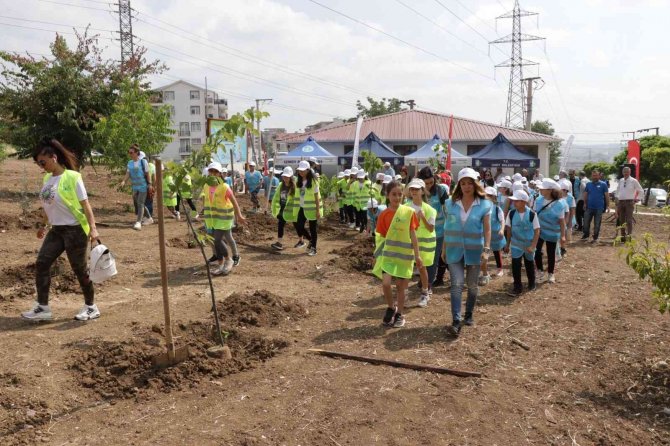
[[253, 180], [270, 184], [229, 181], [596, 197]]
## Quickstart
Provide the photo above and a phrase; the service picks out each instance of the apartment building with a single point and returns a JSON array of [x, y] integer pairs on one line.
[[190, 107]]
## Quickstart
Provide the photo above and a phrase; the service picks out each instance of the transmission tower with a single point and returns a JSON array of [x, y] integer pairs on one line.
[[516, 107], [126, 31]]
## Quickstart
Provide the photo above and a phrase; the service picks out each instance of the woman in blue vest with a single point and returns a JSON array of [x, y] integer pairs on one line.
[[139, 174], [497, 234], [437, 197], [467, 243], [551, 212], [70, 217]]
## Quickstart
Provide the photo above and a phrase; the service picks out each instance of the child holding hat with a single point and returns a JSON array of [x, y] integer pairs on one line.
[[523, 232]]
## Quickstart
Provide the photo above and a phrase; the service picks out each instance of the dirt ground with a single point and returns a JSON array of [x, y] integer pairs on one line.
[[596, 371]]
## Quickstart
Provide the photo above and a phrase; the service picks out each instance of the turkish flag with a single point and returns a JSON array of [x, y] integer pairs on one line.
[[634, 156], [451, 131]]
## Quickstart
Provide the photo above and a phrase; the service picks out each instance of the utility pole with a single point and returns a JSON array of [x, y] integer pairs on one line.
[[531, 84], [516, 112], [258, 128], [126, 31]]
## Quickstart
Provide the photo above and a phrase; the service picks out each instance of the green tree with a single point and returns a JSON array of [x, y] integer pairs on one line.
[[653, 156], [132, 120], [63, 95], [378, 108], [546, 128], [601, 166]]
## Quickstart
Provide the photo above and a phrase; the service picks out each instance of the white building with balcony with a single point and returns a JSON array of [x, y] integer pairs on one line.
[[190, 107]]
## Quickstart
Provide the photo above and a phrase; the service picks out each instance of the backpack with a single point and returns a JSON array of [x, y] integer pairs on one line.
[[513, 211]]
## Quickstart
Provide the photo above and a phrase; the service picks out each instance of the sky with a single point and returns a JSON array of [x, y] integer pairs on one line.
[[604, 62]]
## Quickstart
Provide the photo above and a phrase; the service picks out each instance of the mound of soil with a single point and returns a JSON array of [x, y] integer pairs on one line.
[[358, 256], [179, 242], [124, 370], [19, 281], [259, 309], [20, 414], [259, 227]]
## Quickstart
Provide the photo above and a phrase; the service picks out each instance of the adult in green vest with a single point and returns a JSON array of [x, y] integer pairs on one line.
[[349, 197], [284, 206], [309, 207], [186, 193], [68, 213], [340, 196], [361, 196], [169, 195], [425, 234]]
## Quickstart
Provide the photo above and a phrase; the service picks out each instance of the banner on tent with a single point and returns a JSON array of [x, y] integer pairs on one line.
[[294, 160], [530, 163]]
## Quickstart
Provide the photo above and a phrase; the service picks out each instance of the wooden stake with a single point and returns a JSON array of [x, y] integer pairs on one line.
[[389, 362], [520, 344]]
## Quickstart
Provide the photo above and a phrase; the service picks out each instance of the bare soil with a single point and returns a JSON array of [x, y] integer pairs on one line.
[[596, 371]]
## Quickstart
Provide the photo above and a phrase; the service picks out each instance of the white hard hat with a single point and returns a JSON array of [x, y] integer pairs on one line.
[[252, 164], [287, 172], [347, 172], [490, 191], [360, 174], [380, 176], [303, 165], [416, 183], [519, 195], [215, 166], [505, 183], [340, 175], [372, 203], [387, 179], [548, 183], [467, 173]]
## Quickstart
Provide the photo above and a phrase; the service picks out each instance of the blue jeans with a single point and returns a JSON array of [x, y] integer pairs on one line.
[[459, 272], [432, 269], [597, 216]]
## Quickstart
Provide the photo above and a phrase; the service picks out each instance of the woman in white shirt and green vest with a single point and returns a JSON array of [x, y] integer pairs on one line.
[[70, 217]]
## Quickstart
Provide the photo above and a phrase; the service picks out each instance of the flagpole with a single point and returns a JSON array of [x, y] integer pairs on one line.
[[451, 128]]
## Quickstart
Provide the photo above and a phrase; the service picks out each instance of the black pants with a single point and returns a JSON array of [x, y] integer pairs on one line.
[[579, 215], [343, 214], [362, 219], [281, 223], [188, 200], [302, 232], [74, 242], [551, 256], [351, 213], [498, 257], [516, 272]]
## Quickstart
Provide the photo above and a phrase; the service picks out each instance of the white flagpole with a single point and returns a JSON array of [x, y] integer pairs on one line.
[[359, 124]]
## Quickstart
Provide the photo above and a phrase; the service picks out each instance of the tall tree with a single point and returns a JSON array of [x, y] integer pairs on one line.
[[63, 95], [546, 128], [378, 108], [653, 156]]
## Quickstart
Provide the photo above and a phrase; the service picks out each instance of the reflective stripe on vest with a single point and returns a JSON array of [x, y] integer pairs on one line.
[[465, 241], [426, 239], [309, 203], [67, 192], [219, 213], [290, 213], [397, 257]]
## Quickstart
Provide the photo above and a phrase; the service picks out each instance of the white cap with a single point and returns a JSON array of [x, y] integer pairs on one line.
[[312, 159], [276, 171], [548, 183], [518, 185], [398, 177], [508, 178], [360, 174], [505, 183], [340, 175], [387, 179], [519, 195], [287, 172], [517, 177], [490, 191], [252, 164], [215, 166], [416, 183], [387, 164], [380, 176], [354, 170], [347, 172], [565, 184], [556, 178], [303, 165], [372, 203], [467, 173]]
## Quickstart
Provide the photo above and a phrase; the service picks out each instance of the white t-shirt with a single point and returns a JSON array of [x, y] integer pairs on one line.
[[315, 188], [536, 221], [465, 215], [57, 213], [417, 208]]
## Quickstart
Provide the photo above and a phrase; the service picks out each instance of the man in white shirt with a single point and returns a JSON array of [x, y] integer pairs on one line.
[[627, 192]]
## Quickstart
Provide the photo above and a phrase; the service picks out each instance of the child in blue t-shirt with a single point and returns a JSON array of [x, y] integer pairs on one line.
[[374, 209]]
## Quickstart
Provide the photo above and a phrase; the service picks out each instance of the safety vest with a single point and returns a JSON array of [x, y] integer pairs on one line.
[[522, 233], [435, 201], [550, 216], [350, 193], [497, 241], [361, 194], [219, 211], [465, 241], [309, 202], [290, 213], [341, 191], [67, 192], [186, 188], [394, 254], [426, 238], [138, 175], [377, 192], [169, 197]]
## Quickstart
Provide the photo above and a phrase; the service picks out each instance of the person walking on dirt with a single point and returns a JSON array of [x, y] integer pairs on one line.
[[437, 197], [374, 209], [169, 195], [140, 177], [425, 235], [310, 207], [523, 233], [396, 250], [597, 201], [284, 206], [253, 180], [579, 211], [186, 194], [342, 179], [497, 234], [628, 190], [467, 243], [149, 203], [350, 197], [361, 196], [220, 207], [551, 215], [72, 224], [270, 184]]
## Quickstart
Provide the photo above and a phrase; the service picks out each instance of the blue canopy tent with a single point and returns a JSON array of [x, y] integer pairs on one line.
[[306, 150], [375, 145], [502, 153], [422, 156]]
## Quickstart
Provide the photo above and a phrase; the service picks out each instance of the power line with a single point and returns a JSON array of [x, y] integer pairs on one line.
[[55, 24], [398, 39], [463, 21], [475, 16], [75, 5]]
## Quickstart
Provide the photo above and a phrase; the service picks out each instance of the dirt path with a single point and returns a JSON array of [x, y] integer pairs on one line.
[[596, 371]]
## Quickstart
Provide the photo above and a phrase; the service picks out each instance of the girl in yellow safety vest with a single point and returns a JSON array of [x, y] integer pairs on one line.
[[67, 210], [425, 234], [396, 251], [309, 207], [284, 205]]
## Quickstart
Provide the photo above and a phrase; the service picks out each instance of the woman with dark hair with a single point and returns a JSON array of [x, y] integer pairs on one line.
[[404, 176], [69, 217], [551, 214], [489, 181], [283, 205], [467, 243], [437, 197], [310, 209], [138, 173]]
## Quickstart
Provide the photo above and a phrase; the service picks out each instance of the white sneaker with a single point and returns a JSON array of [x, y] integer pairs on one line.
[[147, 221], [551, 279], [220, 270], [88, 312], [423, 300], [137, 226], [352, 225], [196, 217], [38, 313], [484, 280], [500, 272], [540, 276], [177, 215], [228, 265]]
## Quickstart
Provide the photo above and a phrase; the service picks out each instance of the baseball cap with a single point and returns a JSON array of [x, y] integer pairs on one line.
[[360, 174], [312, 159], [467, 173], [380, 176], [303, 165], [347, 172], [287, 172], [276, 171], [416, 183], [519, 195], [518, 185], [387, 164], [548, 183], [505, 183], [215, 166], [353, 171], [490, 191], [252, 164], [565, 184], [517, 177], [398, 177], [387, 179], [340, 174]]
